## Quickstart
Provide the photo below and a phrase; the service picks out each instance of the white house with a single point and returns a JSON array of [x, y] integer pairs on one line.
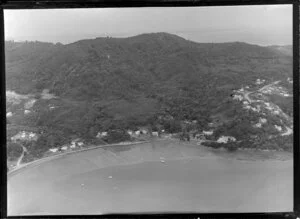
[[80, 143], [130, 132], [254, 109], [101, 134], [262, 120], [225, 139], [64, 148], [258, 125], [53, 150], [237, 97], [276, 112], [29, 104], [26, 111], [208, 132], [32, 135], [25, 136], [143, 131], [278, 127], [9, 114], [155, 133], [267, 104], [258, 81]]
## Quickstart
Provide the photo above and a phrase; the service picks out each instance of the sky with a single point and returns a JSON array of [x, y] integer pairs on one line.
[[262, 25]]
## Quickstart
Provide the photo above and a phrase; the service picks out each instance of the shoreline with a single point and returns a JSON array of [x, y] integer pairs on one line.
[[247, 154], [52, 157]]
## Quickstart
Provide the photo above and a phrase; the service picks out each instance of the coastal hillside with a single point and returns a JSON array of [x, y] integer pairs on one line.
[[59, 93]]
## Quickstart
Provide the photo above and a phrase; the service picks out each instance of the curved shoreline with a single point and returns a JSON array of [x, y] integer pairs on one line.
[[52, 157], [222, 152]]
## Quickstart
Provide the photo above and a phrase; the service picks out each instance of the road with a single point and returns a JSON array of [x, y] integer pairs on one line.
[[22, 155], [246, 94]]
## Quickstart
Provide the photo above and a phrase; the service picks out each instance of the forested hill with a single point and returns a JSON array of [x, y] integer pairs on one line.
[[109, 82], [106, 67]]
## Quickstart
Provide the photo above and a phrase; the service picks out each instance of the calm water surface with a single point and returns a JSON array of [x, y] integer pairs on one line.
[[163, 176]]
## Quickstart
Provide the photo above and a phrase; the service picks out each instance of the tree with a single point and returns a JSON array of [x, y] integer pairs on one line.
[[115, 136], [14, 150]]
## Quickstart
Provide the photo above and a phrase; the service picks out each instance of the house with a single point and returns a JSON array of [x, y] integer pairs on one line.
[[225, 139], [53, 150], [254, 109], [75, 142], [278, 127], [26, 111], [143, 130], [258, 81], [80, 144], [155, 133], [262, 120], [101, 134], [237, 97], [130, 132], [247, 107], [9, 114], [258, 125], [29, 104], [64, 148], [25, 136], [32, 135], [208, 132]]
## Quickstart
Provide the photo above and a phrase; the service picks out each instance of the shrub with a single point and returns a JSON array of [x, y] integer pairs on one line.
[[231, 146], [115, 136], [14, 150]]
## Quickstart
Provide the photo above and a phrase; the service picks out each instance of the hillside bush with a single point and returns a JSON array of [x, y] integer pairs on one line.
[[115, 136]]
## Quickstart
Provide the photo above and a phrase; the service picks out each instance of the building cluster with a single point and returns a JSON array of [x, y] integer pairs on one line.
[[24, 136], [226, 139], [72, 145], [259, 81], [278, 90]]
